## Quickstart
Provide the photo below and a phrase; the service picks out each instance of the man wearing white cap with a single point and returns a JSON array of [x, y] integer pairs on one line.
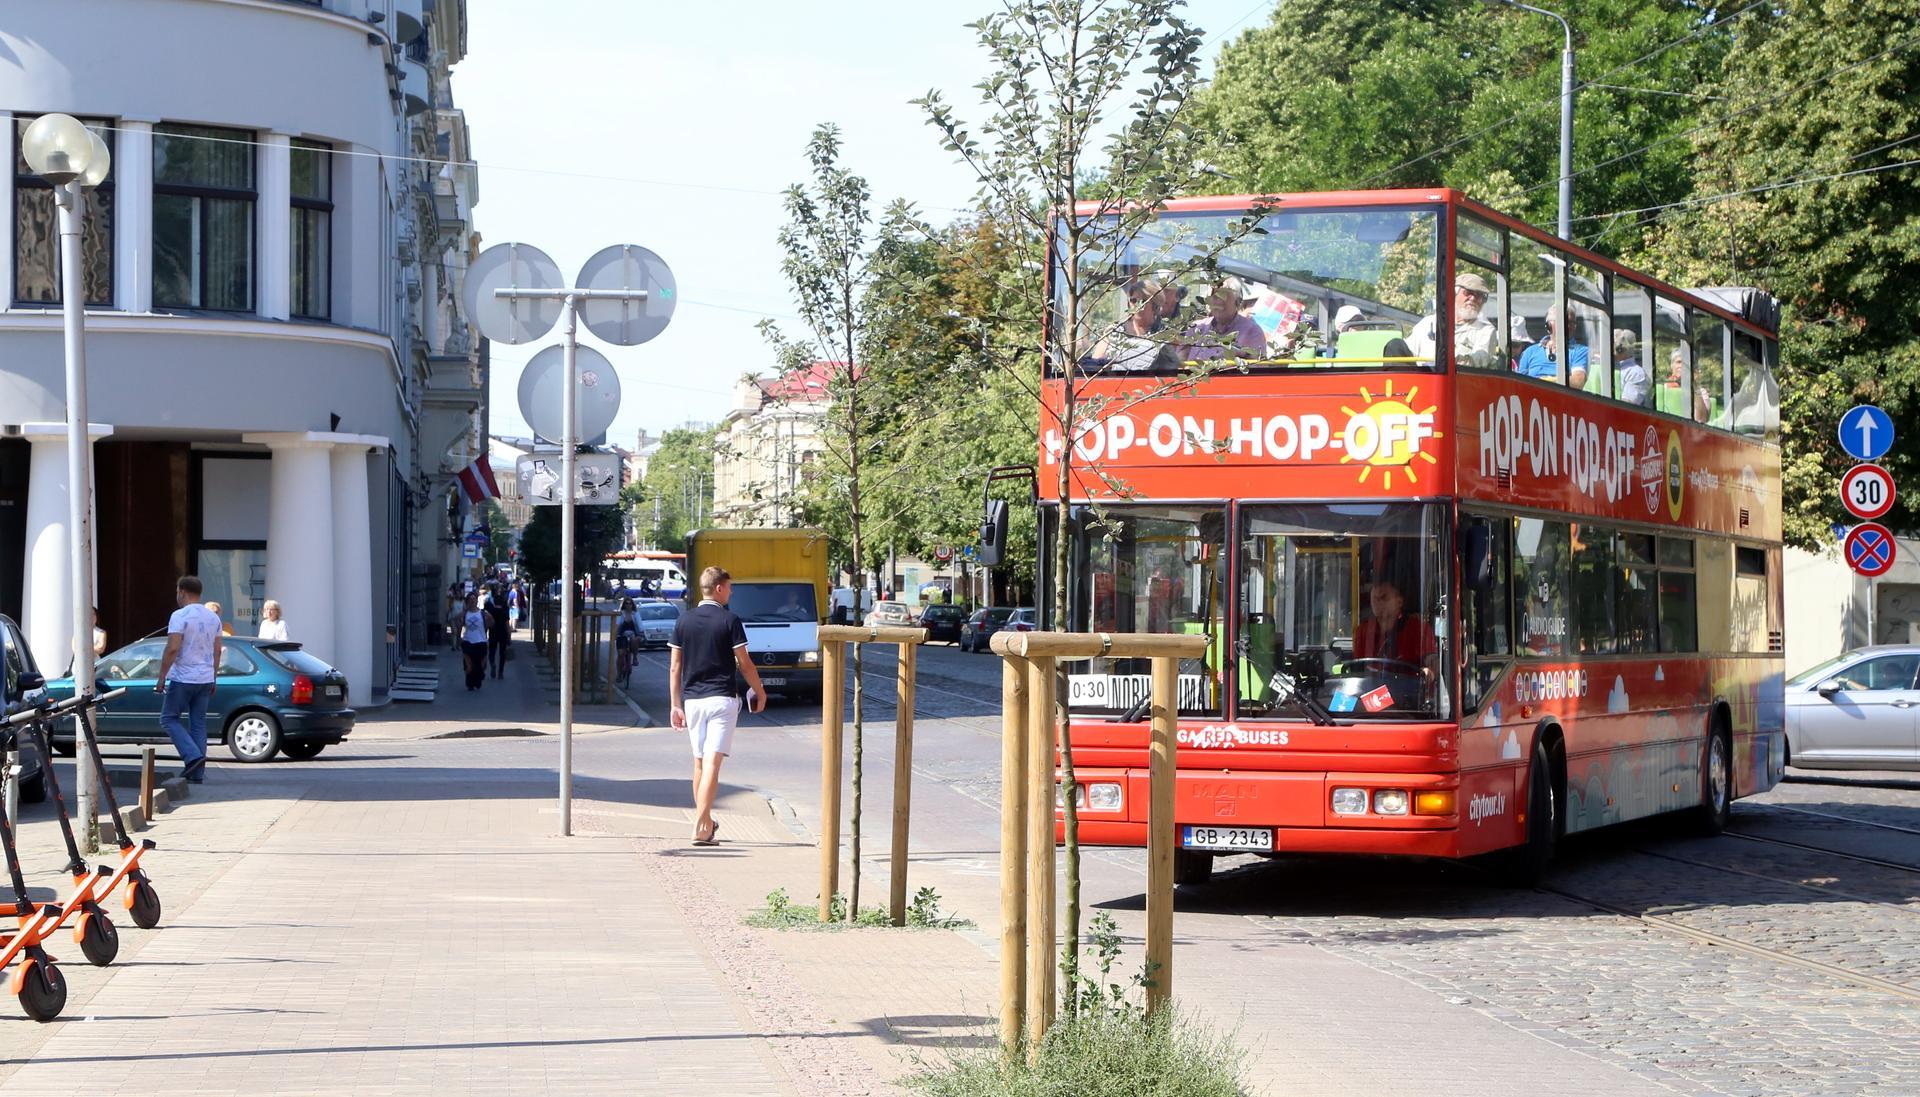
[[1476, 342]]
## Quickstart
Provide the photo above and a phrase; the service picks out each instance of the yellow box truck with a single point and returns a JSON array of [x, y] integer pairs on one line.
[[779, 593]]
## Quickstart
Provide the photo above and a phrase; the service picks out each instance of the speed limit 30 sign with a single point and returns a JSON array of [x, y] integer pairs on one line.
[[1867, 491]]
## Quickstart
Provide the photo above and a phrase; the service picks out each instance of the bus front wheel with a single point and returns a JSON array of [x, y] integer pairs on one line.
[[1524, 865]]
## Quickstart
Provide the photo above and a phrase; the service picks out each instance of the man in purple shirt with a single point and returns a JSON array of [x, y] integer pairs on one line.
[[1224, 331]]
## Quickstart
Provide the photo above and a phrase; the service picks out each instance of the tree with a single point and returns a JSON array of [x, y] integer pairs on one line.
[[826, 263], [1337, 94], [1802, 187], [1066, 122], [597, 531], [676, 496], [499, 531]]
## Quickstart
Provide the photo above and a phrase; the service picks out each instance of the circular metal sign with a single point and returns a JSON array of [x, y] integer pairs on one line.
[[1867, 490], [1869, 549], [506, 319], [542, 399], [627, 267]]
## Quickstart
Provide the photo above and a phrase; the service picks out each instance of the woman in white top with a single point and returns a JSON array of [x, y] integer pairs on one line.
[[272, 626], [473, 641]]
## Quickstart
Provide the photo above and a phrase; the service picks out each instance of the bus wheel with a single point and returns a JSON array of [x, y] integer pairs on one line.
[[1716, 784], [1192, 866], [1525, 865]]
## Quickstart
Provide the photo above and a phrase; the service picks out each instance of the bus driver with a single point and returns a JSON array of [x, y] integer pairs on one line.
[[1392, 633]]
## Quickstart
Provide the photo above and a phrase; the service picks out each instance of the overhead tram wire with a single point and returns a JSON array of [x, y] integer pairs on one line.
[[1555, 98], [1778, 184], [1903, 44]]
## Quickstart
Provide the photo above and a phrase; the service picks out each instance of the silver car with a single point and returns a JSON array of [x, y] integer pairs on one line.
[[656, 622], [1860, 710]]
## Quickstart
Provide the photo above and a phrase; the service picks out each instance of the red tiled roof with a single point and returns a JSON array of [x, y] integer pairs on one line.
[[809, 383]]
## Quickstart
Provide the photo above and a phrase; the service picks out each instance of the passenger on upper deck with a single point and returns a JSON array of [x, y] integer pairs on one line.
[[1476, 342], [1172, 296], [1542, 359], [1392, 633], [1631, 382], [1224, 330], [1132, 345], [1356, 340]]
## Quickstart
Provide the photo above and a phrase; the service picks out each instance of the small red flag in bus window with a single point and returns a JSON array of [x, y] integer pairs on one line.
[[1377, 698]]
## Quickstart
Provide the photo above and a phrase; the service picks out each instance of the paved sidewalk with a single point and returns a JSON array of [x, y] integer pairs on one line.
[[526, 701]]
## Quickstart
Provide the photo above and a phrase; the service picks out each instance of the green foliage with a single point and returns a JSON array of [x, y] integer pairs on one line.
[[780, 912], [1339, 94], [500, 534], [1099, 1055], [1815, 90], [597, 531], [678, 489]]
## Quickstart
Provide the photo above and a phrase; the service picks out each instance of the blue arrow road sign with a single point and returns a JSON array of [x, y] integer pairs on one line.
[[1866, 433]]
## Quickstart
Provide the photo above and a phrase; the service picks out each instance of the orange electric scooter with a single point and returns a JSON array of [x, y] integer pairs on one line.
[[93, 931], [36, 981], [143, 903]]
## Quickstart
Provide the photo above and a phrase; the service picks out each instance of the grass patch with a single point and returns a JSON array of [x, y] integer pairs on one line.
[[781, 912], [1098, 1054]]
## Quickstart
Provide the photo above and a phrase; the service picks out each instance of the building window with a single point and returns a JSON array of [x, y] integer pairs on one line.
[[312, 230], [36, 237], [203, 218]]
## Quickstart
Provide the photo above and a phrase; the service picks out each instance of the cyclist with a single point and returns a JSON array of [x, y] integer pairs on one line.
[[626, 636]]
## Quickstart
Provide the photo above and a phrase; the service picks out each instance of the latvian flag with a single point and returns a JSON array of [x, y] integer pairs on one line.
[[477, 481]]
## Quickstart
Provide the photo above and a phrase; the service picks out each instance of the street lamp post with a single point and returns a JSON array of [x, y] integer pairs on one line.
[[74, 159], [1566, 117]]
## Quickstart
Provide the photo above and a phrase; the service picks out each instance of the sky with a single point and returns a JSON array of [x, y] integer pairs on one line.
[[676, 127]]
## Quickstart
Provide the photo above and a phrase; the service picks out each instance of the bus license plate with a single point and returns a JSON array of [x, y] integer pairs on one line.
[[1228, 838]]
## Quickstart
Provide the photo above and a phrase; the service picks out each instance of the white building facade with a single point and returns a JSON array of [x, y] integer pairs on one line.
[[281, 383]]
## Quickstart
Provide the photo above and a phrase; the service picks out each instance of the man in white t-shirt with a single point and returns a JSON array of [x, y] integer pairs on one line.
[[186, 676]]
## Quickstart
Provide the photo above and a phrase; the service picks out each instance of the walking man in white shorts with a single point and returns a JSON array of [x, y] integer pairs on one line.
[[709, 647]]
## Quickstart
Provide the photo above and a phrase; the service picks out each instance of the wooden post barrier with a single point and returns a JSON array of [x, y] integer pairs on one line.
[[833, 660], [1027, 875], [1013, 849], [146, 783]]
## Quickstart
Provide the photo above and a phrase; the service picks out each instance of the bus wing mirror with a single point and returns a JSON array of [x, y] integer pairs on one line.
[[993, 534]]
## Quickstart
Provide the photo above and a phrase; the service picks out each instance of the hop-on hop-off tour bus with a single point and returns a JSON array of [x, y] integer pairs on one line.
[[1463, 595]]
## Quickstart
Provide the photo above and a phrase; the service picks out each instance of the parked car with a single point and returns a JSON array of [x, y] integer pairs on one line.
[[270, 697], [890, 613], [656, 622], [985, 622], [943, 622], [20, 666], [1859, 710]]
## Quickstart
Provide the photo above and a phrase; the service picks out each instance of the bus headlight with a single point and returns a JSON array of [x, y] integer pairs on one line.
[[1103, 796], [1390, 801], [1349, 801]]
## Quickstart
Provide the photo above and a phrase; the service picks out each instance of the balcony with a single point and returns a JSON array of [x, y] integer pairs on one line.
[[409, 20], [416, 89]]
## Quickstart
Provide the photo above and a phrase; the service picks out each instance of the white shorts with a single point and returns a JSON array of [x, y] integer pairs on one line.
[[710, 723]]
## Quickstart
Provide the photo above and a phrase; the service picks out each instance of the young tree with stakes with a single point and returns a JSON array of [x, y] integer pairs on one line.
[[1086, 100]]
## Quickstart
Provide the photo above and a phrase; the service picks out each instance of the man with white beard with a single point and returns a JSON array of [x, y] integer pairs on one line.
[[1476, 342]]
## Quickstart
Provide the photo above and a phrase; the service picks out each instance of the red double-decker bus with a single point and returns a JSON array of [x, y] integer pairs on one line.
[[1483, 529]]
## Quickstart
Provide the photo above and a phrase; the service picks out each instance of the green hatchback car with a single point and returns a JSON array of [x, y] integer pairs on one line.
[[270, 697]]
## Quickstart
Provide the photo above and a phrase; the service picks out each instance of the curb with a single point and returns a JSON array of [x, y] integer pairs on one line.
[[166, 795]]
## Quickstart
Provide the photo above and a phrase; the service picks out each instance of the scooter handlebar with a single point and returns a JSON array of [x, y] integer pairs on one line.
[[53, 709]]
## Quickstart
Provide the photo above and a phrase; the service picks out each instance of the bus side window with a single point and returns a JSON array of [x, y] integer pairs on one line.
[[1486, 642]]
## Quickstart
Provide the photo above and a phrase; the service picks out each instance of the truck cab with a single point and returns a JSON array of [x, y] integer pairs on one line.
[[779, 593]]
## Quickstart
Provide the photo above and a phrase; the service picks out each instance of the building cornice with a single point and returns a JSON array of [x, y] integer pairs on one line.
[[301, 11]]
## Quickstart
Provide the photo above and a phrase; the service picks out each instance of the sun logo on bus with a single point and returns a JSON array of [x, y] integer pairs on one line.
[[1387, 433]]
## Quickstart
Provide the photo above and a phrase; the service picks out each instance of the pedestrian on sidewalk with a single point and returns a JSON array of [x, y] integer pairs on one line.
[[709, 655], [186, 676], [220, 616], [499, 632], [272, 625], [473, 641]]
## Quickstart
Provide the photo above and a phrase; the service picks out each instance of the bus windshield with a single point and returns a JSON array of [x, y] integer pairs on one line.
[[1147, 569], [1290, 288], [1342, 607]]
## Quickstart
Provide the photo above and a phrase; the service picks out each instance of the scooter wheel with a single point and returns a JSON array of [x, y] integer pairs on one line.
[[98, 939], [44, 992], [145, 905]]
